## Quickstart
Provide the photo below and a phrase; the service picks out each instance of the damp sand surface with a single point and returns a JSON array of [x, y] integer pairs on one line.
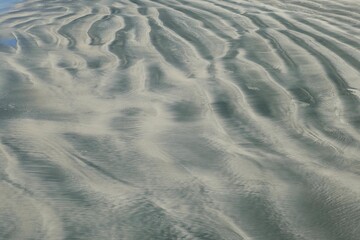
[[179, 119]]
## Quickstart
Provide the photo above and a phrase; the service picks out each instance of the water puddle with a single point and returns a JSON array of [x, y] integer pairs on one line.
[[7, 4], [10, 42]]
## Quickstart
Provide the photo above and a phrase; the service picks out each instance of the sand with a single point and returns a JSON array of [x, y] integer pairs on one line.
[[179, 119]]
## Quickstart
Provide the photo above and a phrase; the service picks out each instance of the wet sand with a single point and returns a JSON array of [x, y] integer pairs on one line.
[[179, 119]]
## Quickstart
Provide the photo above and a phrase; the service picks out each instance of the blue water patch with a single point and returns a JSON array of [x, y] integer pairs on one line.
[[6, 4], [11, 42]]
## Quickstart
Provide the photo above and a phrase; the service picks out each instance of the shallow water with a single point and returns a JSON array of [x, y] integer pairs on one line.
[[179, 119], [6, 5]]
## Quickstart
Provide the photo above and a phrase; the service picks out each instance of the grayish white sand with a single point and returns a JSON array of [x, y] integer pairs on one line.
[[179, 119]]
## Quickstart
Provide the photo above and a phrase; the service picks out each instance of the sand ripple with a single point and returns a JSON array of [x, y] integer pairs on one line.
[[180, 119]]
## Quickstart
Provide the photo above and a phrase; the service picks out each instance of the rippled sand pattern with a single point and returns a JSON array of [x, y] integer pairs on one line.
[[179, 119]]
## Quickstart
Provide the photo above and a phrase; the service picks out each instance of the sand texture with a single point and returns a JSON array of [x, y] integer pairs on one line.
[[180, 119]]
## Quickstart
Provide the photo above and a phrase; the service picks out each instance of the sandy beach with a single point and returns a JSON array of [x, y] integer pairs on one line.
[[180, 119]]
